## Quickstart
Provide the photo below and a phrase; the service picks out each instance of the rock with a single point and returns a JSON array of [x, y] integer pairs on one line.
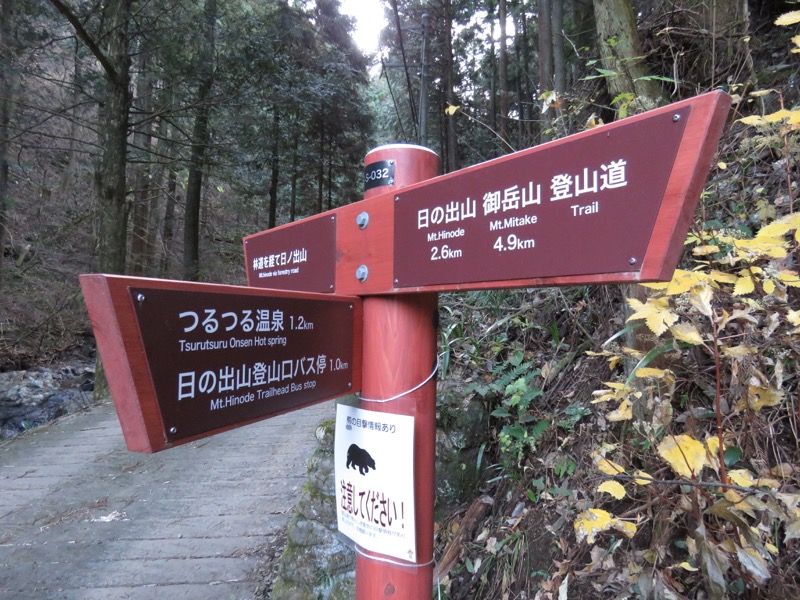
[[35, 397]]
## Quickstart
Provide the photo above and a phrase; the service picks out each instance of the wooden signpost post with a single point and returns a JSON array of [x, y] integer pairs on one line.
[[346, 301]]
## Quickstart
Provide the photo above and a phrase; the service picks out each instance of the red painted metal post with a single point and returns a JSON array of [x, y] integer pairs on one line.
[[399, 353]]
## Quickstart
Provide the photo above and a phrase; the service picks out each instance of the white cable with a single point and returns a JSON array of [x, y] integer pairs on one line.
[[407, 392], [392, 562]]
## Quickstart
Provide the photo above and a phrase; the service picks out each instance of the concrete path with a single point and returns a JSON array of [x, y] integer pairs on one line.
[[81, 518]]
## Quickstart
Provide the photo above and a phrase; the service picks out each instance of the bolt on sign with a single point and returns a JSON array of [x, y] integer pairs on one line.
[[200, 358], [609, 205]]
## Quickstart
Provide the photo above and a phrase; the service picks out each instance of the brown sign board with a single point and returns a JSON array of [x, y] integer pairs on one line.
[[294, 259], [186, 360], [609, 205], [573, 209]]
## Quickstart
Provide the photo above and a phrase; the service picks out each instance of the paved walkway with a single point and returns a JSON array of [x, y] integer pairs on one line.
[[81, 518]]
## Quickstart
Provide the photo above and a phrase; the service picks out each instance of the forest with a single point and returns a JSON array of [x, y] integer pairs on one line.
[[639, 441]]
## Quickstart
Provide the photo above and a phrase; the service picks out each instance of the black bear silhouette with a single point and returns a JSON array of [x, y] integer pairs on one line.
[[358, 457]]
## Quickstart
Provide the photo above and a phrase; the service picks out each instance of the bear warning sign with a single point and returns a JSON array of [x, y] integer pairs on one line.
[[374, 457]]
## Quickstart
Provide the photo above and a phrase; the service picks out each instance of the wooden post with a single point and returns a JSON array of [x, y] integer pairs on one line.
[[399, 353]]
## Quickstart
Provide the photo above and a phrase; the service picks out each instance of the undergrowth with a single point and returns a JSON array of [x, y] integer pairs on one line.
[[648, 447]]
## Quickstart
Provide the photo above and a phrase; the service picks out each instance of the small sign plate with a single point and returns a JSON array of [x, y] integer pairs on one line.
[[221, 359], [583, 207], [378, 174], [301, 257]]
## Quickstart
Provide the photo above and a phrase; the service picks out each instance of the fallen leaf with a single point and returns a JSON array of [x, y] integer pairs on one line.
[[686, 332], [624, 412], [614, 488], [754, 563], [592, 522], [685, 455]]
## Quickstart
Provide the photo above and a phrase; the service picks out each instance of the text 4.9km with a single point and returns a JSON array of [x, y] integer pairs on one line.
[[512, 242]]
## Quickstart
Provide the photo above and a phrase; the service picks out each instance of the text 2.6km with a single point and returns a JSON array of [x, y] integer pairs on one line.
[[445, 252]]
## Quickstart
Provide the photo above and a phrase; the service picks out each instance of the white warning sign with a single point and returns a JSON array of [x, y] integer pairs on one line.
[[374, 455]]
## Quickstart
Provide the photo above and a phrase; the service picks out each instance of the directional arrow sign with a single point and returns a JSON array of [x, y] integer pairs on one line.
[[608, 205], [186, 360]]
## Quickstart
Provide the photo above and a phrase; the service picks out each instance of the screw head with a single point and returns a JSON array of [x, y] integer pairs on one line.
[[362, 220], [140, 298], [362, 273], [631, 261], [173, 430], [676, 118]]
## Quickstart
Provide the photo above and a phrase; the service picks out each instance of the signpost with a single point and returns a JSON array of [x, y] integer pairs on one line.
[[187, 360], [608, 205]]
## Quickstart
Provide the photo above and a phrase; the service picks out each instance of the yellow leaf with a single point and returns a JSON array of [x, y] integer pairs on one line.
[[789, 277], [655, 312], [769, 286], [744, 285], [742, 477], [771, 548], [770, 247], [686, 332], [643, 478], [608, 467], [451, 110], [651, 372], [753, 120], [592, 522], [782, 470], [739, 351], [760, 397], [779, 115], [682, 281], [701, 297], [721, 165], [685, 565], [623, 413], [789, 18], [779, 228], [705, 250], [721, 277], [712, 453], [796, 40], [615, 488], [759, 93], [685, 455], [624, 527], [768, 482]]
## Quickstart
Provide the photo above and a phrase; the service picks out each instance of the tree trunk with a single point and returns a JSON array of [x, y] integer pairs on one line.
[[451, 144], [295, 171], [275, 168], [111, 176], [546, 60], [200, 139], [502, 71], [141, 251], [321, 165], [559, 57], [620, 52], [7, 88], [169, 220]]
